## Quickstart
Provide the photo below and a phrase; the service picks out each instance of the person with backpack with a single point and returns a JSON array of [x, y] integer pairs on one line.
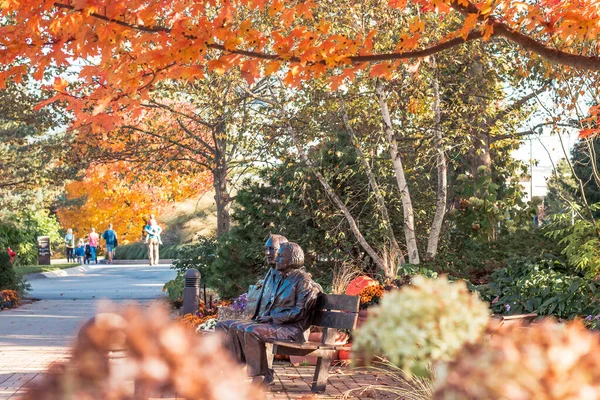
[[110, 236]]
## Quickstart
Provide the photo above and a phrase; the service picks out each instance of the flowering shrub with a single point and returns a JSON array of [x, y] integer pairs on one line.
[[8, 298], [427, 321], [549, 361], [209, 325], [240, 303], [204, 314], [358, 284], [161, 357], [370, 295]]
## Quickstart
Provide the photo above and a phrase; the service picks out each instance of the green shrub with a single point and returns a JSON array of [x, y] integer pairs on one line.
[[174, 288], [228, 266], [8, 277], [199, 255], [544, 286], [475, 261], [580, 241], [19, 231]]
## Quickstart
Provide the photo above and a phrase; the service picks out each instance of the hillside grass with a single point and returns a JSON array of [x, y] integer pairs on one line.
[[22, 270], [182, 222]]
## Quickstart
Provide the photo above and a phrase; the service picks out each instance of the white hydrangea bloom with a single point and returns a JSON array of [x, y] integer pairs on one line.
[[422, 323]]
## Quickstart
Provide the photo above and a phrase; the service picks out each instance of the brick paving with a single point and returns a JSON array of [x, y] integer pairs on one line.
[[37, 334], [294, 382]]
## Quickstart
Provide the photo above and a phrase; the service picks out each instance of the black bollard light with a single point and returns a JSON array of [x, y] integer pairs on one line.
[[191, 291]]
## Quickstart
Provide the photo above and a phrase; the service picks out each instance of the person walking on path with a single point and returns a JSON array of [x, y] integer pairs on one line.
[[80, 251], [94, 240], [110, 236], [153, 232], [70, 245]]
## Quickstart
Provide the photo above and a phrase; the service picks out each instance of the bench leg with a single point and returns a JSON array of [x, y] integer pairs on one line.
[[321, 373], [270, 354]]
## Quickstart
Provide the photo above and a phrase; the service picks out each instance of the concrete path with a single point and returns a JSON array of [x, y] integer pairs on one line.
[[37, 334]]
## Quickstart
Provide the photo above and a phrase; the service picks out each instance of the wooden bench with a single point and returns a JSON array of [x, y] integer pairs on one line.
[[332, 312]]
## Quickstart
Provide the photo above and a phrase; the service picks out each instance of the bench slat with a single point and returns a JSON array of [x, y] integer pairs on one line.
[[336, 320], [310, 345], [338, 302]]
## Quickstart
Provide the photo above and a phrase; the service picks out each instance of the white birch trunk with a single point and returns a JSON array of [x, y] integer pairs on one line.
[[407, 208], [396, 253], [442, 172], [331, 193]]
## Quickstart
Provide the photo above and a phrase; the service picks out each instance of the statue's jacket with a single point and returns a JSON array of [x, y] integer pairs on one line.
[[291, 305], [269, 285]]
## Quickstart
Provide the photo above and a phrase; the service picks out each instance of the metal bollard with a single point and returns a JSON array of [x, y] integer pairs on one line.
[[191, 291]]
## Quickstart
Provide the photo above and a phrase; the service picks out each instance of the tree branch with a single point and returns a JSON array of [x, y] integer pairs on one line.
[[531, 131], [499, 29]]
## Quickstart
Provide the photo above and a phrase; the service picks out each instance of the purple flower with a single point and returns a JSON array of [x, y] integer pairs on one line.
[[240, 303], [597, 317], [507, 307], [588, 318]]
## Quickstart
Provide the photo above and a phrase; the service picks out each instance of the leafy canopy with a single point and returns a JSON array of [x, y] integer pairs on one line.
[[128, 46]]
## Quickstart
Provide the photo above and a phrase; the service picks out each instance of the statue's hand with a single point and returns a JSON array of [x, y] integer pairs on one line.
[[264, 319]]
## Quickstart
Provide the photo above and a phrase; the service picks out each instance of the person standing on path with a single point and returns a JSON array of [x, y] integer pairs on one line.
[[80, 251], [70, 245], [94, 240], [110, 236], [153, 232]]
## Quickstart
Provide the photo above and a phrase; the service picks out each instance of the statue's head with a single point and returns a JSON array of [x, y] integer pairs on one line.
[[290, 256], [273, 244]]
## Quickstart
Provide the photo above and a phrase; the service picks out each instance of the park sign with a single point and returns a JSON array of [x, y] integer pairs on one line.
[[43, 244]]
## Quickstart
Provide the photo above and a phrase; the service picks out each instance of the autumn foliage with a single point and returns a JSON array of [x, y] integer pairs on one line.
[[120, 194], [131, 45]]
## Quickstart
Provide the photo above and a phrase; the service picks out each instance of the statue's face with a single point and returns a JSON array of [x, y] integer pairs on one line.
[[284, 259], [270, 251]]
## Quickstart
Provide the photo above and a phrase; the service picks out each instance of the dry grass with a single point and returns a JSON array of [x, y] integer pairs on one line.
[[184, 221], [407, 388]]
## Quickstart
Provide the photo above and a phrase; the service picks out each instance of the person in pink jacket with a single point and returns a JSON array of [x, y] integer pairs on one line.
[[94, 239]]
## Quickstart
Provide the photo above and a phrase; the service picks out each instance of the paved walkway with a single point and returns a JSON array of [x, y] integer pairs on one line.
[[39, 333]]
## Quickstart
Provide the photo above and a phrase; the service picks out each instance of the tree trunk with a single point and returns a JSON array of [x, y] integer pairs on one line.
[[442, 171], [481, 158], [220, 180], [396, 253], [407, 208], [338, 202]]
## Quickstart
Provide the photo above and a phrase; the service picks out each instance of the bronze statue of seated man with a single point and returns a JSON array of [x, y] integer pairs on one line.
[[287, 312], [230, 328]]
